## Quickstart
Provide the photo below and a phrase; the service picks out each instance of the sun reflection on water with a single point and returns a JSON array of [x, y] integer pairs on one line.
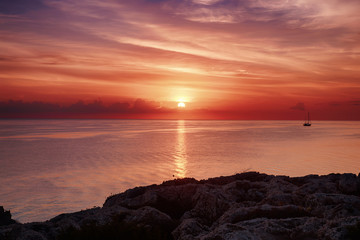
[[180, 151]]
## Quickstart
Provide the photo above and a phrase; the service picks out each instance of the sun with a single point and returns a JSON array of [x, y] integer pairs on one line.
[[181, 105]]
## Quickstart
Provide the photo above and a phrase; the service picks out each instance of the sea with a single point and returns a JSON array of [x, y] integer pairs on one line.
[[48, 167]]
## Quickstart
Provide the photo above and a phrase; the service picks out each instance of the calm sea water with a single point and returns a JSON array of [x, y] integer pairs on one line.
[[49, 167]]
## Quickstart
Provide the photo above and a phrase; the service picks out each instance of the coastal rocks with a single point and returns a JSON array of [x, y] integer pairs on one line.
[[189, 229], [348, 184], [243, 206], [20, 233], [5, 217], [150, 217], [263, 211]]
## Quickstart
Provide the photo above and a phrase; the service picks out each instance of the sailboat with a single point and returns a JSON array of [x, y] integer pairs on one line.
[[307, 123]]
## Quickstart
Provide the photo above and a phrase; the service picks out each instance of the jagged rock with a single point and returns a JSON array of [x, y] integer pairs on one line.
[[189, 229], [230, 232], [149, 216], [348, 184], [5, 217], [209, 203], [242, 206], [25, 234]]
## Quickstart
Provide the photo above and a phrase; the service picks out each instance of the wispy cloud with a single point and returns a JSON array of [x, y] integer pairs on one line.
[[221, 51], [299, 106]]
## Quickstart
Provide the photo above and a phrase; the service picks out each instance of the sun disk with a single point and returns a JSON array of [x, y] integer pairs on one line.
[[181, 105]]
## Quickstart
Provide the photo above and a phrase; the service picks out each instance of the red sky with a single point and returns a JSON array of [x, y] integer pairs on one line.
[[228, 59]]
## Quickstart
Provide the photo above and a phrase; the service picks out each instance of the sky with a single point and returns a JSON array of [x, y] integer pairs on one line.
[[225, 59]]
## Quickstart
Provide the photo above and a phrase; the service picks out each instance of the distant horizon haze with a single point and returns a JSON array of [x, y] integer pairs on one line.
[[144, 109]]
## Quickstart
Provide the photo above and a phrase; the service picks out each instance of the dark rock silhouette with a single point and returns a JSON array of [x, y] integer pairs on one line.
[[5, 217], [243, 206]]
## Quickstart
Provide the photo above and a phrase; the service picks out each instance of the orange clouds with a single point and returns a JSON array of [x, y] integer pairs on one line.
[[222, 55]]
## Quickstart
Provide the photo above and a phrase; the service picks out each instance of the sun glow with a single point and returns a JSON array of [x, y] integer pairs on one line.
[[181, 105]]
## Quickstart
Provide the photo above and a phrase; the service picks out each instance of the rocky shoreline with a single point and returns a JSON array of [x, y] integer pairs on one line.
[[243, 206]]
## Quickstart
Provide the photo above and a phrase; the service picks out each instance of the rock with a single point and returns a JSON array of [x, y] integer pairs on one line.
[[149, 216], [5, 217], [174, 200], [230, 232], [243, 206], [271, 212], [348, 184], [189, 229], [333, 205], [25, 234], [209, 203]]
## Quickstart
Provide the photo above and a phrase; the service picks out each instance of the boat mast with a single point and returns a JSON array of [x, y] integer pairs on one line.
[[307, 123]]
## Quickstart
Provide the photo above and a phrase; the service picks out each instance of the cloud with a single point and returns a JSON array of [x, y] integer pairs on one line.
[[28, 107], [139, 106], [142, 106], [206, 2], [20, 6], [299, 106], [211, 51], [346, 103], [355, 103]]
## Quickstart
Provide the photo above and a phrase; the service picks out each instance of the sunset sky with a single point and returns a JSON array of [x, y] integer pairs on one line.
[[225, 59]]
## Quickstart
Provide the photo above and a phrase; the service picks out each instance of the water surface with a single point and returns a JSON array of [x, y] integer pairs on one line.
[[54, 166]]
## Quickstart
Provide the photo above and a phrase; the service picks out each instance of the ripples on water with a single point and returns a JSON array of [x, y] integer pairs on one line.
[[54, 166]]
